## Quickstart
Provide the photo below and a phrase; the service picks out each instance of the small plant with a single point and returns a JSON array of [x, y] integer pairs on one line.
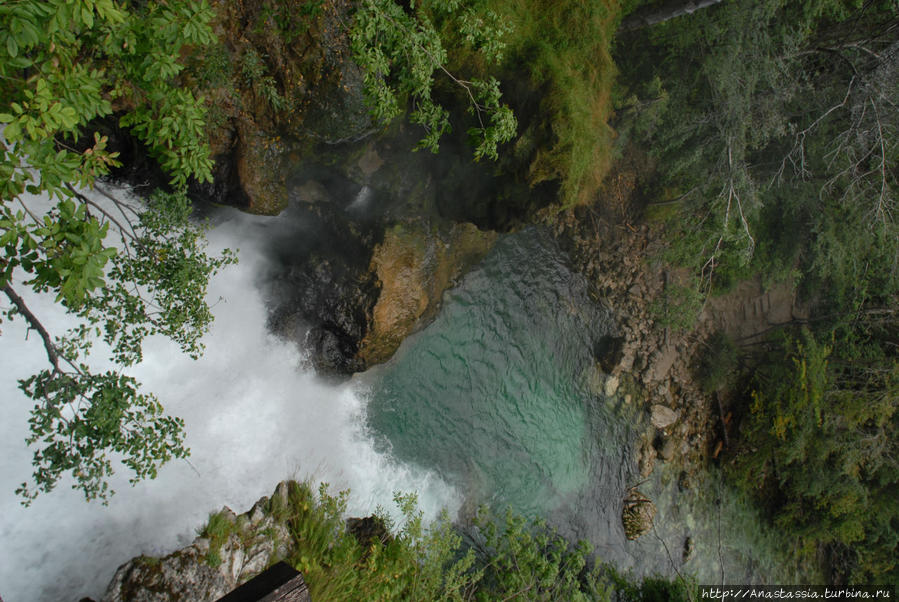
[[719, 364], [218, 530], [252, 67], [289, 20], [253, 72], [214, 67], [677, 307]]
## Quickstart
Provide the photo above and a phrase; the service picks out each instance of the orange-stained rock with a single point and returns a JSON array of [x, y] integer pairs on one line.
[[414, 266]]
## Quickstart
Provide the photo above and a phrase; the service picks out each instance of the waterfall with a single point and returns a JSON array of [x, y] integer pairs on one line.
[[253, 417]]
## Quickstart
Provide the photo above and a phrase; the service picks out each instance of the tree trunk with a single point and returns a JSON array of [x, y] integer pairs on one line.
[[667, 11]]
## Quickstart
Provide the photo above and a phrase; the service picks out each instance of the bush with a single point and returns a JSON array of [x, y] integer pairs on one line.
[[512, 558]]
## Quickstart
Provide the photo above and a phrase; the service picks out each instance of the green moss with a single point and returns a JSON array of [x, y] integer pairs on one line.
[[566, 48], [213, 558]]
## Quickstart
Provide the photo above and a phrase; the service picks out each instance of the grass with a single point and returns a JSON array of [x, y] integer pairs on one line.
[[566, 46], [558, 76], [218, 530]]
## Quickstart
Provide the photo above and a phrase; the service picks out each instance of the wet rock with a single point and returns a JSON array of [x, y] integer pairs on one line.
[[609, 351], [611, 386], [369, 162], [687, 551], [225, 187], [414, 266], [322, 291], [596, 380], [662, 416], [646, 459], [310, 192], [259, 158], [338, 112], [368, 530], [333, 350], [637, 515], [667, 449]]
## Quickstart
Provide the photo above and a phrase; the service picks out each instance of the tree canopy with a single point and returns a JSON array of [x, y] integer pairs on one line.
[[123, 270], [399, 53], [773, 126]]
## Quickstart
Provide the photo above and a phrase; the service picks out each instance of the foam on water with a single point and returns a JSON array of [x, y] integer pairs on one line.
[[253, 417]]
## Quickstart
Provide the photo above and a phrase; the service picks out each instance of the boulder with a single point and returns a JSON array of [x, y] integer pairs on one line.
[[637, 515], [609, 351], [183, 575], [662, 416], [212, 566], [611, 386], [667, 449], [646, 458], [414, 266]]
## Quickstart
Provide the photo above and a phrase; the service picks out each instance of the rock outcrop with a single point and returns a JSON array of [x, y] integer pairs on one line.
[[414, 266], [232, 550], [289, 83]]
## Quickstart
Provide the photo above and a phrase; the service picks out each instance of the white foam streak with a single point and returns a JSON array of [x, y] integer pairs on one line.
[[252, 417]]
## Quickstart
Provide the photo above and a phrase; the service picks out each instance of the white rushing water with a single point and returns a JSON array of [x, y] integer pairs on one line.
[[252, 417]]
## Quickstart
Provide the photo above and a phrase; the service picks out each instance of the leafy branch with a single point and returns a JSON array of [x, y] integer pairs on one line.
[[399, 54], [120, 272]]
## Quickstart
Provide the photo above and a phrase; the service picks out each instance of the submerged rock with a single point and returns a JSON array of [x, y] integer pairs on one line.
[[637, 515], [609, 351], [646, 458]]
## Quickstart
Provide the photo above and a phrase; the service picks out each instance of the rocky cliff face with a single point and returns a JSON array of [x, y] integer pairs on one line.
[[281, 80], [371, 254]]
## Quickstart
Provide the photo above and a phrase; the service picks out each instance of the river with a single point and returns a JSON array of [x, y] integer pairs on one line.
[[490, 404]]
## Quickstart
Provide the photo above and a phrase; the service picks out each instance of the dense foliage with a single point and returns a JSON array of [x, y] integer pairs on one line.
[[502, 559], [564, 49], [123, 269], [554, 57], [819, 450], [773, 123], [400, 51], [773, 127]]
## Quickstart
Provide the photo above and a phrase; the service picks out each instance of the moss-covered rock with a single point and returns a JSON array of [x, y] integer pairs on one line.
[[259, 156], [229, 550]]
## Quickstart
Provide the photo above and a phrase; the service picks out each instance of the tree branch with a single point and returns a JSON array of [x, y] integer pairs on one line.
[[34, 323]]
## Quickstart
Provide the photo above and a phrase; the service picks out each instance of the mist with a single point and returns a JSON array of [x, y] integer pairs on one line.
[[254, 416]]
